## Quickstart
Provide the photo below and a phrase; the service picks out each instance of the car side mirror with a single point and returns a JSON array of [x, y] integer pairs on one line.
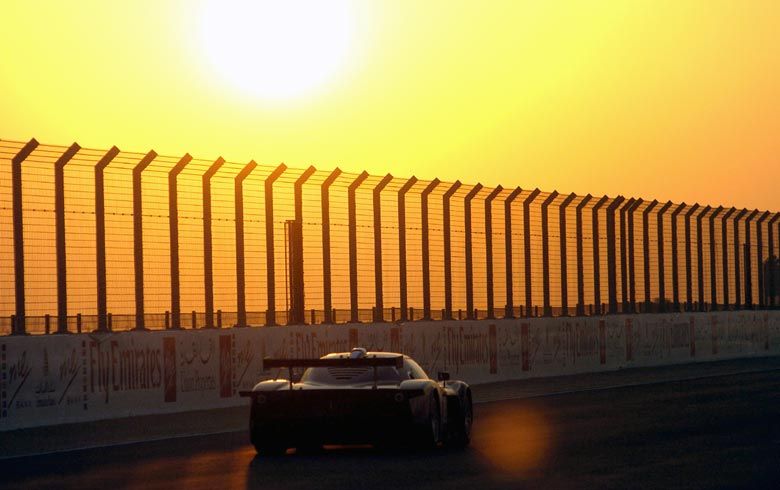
[[443, 376]]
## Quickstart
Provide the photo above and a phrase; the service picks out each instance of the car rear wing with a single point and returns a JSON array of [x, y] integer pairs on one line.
[[372, 362]]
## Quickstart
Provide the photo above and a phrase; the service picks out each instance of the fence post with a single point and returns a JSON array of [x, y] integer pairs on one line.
[[18, 326], [353, 272], [402, 245], [646, 251], [100, 239], [631, 255], [748, 270], [760, 258], [662, 303], [489, 249], [297, 297], [527, 247], [771, 242], [611, 254], [737, 266], [138, 239], [467, 238], [564, 265], [59, 216], [546, 307], [713, 268], [270, 316], [580, 310], [623, 255], [700, 255], [510, 306], [326, 275], [675, 254], [688, 261], [724, 245], [238, 189], [426, 253], [379, 311], [173, 223], [448, 250], [597, 252], [208, 263]]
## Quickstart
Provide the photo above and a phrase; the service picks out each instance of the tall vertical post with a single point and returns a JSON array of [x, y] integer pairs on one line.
[[688, 258], [19, 327], [208, 263], [270, 317], [353, 269], [675, 264], [611, 254], [580, 256], [713, 267], [296, 315], [527, 249], [700, 255], [547, 307], [564, 265], [771, 287], [173, 223], [402, 246], [240, 256], [100, 240], [326, 274], [646, 250], [631, 255], [725, 245], [597, 252], [747, 272], [426, 252], [489, 250], [59, 215], [509, 307], [138, 239], [623, 255], [448, 249], [737, 261], [760, 258], [469, 264], [379, 310], [662, 303]]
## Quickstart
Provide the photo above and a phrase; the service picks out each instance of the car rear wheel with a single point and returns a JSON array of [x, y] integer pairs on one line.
[[430, 434], [461, 433]]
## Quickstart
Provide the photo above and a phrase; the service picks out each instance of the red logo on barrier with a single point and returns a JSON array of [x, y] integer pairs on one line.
[[714, 325], [395, 340], [169, 368], [602, 342], [629, 340], [524, 346], [225, 366], [692, 335], [493, 346]]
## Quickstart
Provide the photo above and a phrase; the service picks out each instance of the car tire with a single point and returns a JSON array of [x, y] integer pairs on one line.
[[430, 434], [461, 432]]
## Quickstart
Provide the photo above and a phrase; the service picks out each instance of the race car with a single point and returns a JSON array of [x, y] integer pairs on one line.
[[357, 397]]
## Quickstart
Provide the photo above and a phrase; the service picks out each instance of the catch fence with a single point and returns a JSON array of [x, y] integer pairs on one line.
[[112, 240]]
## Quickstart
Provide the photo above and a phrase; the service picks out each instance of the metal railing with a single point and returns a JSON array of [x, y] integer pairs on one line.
[[110, 240]]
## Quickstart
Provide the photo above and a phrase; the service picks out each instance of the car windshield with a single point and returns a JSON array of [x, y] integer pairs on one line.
[[350, 375]]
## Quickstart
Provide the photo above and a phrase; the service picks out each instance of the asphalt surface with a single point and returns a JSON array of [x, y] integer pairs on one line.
[[711, 432]]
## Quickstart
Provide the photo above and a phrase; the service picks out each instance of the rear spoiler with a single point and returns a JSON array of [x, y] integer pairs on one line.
[[372, 362]]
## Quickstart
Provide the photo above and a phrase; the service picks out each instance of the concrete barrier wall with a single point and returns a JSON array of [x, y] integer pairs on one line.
[[71, 378]]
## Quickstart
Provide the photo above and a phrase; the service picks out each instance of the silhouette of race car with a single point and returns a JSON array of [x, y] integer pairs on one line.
[[357, 397]]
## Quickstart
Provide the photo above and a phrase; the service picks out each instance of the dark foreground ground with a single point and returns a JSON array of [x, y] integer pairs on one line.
[[720, 431]]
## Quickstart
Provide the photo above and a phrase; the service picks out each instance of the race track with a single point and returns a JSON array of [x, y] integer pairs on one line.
[[715, 432]]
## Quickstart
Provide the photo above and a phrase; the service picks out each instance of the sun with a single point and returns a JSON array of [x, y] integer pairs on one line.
[[277, 49]]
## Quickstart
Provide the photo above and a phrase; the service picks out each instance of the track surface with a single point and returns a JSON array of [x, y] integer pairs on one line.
[[719, 432]]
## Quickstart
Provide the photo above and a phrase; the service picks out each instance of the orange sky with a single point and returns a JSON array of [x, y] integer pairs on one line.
[[664, 99]]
